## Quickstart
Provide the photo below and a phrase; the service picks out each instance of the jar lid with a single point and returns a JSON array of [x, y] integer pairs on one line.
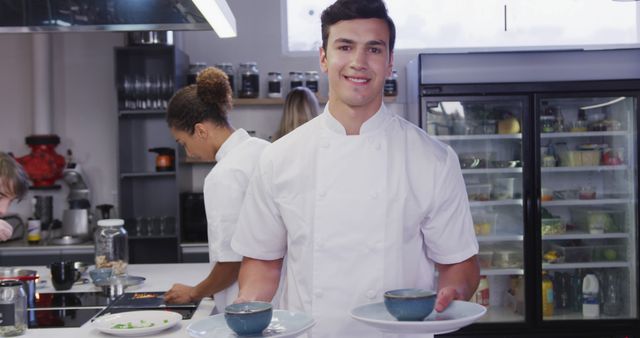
[[275, 73], [110, 222], [10, 282], [311, 72]]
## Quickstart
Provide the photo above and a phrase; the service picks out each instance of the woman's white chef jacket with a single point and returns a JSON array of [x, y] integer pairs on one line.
[[224, 190], [355, 215]]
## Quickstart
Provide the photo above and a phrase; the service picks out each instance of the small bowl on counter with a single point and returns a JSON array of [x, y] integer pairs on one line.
[[410, 304], [100, 274], [116, 285], [249, 318]]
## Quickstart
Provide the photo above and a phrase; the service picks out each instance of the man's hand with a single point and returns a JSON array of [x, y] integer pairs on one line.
[[6, 230], [180, 294], [457, 281], [445, 296]]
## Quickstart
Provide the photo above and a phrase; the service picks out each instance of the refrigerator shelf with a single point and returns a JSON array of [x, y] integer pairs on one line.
[[586, 202], [492, 171], [585, 235], [587, 265], [500, 238], [584, 168], [501, 272], [577, 315], [478, 204], [479, 137], [584, 134]]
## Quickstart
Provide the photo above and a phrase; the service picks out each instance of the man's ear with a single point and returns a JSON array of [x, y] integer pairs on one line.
[[323, 60], [200, 131], [390, 67]]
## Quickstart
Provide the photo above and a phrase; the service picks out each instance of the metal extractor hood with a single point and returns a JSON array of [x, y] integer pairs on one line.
[[101, 15]]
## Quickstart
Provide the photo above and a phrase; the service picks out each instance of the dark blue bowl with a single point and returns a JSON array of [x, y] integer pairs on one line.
[[248, 318], [409, 304]]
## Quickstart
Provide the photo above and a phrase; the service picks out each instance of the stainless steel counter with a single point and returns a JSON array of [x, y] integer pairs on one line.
[[21, 253]]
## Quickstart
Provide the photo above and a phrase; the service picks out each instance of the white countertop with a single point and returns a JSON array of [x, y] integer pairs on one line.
[[159, 277]]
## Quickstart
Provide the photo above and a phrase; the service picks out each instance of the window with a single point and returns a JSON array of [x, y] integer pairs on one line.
[[486, 24]]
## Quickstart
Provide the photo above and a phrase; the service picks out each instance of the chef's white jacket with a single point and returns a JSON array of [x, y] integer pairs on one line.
[[224, 190], [355, 215]]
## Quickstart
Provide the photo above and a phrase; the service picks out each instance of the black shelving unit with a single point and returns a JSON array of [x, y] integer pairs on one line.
[[146, 77]]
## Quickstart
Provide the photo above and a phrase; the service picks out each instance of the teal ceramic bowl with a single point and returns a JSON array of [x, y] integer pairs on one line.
[[409, 304], [248, 318], [100, 274]]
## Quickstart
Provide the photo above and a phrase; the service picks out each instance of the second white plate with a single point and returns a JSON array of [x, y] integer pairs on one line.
[[283, 324], [454, 317], [137, 323]]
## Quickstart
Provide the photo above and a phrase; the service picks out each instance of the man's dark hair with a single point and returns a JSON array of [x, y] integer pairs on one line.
[[356, 9]]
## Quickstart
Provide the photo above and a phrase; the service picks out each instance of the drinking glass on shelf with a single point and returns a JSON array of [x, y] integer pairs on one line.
[[128, 87], [167, 90], [168, 225], [140, 92]]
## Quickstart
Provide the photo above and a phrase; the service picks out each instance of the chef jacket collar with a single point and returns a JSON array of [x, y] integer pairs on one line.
[[374, 123], [238, 136]]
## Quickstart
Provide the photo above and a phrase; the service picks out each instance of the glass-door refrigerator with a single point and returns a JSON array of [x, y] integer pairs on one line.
[[487, 134], [551, 177], [587, 214]]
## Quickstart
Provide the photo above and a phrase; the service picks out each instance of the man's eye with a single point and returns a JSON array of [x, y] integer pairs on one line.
[[344, 48], [375, 50]]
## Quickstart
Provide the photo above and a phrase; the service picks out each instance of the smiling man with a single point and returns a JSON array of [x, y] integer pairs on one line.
[[358, 200]]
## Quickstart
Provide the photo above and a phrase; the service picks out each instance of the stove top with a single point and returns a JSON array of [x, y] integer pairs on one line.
[[73, 309], [71, 300], [48, 318]]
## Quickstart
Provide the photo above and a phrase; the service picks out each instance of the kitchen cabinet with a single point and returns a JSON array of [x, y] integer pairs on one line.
[[146, 77], [551, 175]]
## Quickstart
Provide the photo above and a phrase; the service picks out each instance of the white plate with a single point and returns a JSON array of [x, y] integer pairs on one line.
[[283, 324], [454, 317], [162, 320]]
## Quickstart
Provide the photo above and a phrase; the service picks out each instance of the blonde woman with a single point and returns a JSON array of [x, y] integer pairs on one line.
[[300, 106]]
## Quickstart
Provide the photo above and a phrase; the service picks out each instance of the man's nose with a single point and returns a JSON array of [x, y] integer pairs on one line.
[[359, 61]]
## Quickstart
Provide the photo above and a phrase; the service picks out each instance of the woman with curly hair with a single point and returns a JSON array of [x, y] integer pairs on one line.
[[198, 119]]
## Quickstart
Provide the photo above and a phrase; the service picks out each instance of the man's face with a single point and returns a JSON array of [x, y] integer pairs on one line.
[[194, 144], [357, 61]]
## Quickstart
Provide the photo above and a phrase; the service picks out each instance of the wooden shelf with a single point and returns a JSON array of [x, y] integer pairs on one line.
[[280, 101], [148, 174]]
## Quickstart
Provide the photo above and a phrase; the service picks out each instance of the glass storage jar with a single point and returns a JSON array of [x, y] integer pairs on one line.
[[249, 80], [311, 79], [13, 308], [391, 84], [194, 70], [274, 85], [112, 246], [295, 80], [228, 69]]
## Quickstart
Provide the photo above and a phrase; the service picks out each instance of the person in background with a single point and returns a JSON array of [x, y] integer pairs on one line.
[[198, 119], [300, 106], [14, 184], [357, 201]]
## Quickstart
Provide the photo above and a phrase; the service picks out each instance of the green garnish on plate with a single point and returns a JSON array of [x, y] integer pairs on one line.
[[129, 325]]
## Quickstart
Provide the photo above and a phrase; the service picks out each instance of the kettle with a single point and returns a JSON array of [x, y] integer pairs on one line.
[[165, 161]]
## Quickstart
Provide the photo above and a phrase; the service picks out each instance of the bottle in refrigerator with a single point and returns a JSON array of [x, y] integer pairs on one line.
[[481, 296], [547, 296], [612, 303], [590, 296]]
